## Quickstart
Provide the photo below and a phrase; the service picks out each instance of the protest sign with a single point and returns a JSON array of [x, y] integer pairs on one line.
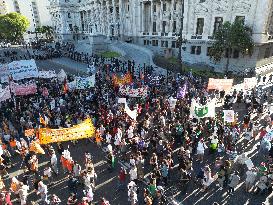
[[229, 115], [52, 104], [132, 92], [181, 92], [220, 84], [61, 76], [5, 94], [172, 102], [125, 80], [24, 89], [29, 133], [85, 83], [122, 100], [250, 83], [80, 131], [131, 113], [47, 74], [201, 111], [23, 69]]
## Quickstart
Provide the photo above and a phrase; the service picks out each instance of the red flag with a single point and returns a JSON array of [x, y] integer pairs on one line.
[[65, 86]]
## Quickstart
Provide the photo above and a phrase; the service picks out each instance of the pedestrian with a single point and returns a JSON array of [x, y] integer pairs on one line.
[[42, 191], [234, 180]]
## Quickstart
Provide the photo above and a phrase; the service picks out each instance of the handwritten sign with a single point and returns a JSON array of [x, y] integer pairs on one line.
[[23, 69], [220, 84]]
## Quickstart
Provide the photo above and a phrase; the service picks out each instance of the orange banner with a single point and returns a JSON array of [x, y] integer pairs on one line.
[[80, 131], [125, 80], [220, 84]]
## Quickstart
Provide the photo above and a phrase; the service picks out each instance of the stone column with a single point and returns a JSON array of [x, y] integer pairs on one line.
[[152, 16], [161, 15], [114, 15], [171, 13]]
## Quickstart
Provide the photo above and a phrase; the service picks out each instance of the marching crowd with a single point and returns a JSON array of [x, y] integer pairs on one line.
[[162, 146]]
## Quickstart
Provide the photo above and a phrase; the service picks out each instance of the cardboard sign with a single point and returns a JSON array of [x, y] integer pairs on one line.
[[250, 83], [229, 115]]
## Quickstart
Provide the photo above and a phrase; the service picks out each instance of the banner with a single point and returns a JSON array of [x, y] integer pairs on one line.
[[23, 69], [29, 133], [80, 131], [229, 115], [125, 80], [153, 80], [131, 92], [25, 89], [220, 84], [181, 92], [250, 83], [85, 83], [5, 94], [201, 111], [71, 85], [61, 76], [47, 74]]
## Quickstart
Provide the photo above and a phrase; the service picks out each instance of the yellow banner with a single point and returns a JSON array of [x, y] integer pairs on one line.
[[80, 131], [126, 79]]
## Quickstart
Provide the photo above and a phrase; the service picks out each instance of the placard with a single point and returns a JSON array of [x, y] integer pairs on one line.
[[23, 69], [220, 84]]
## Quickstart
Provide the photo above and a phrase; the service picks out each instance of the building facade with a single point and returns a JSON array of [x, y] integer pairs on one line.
[[154, 23], [202, 18], [35, 10], [3, 7]]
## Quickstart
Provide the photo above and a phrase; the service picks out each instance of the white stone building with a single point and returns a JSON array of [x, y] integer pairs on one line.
[[203, 17], [3, 7], [154, 23], [35, 10]]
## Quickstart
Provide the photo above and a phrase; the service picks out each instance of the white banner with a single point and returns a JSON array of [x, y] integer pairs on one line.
[[229, 115], [5, 94], [47, 74], [85, 83], [23, 69], [250, 83], [132, 114], [61, 76], [201, 111], [131, 92]]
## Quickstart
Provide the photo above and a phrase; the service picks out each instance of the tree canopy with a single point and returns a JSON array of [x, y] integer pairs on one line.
[[231, 37], [13, 26]]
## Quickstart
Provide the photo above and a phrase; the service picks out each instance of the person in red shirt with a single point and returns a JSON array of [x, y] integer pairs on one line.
[[5, 198], [122, 179], [262, 132]]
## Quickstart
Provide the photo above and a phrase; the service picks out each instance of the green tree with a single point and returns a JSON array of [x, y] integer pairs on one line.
[[48, 31], [231, 37], [13, 26]]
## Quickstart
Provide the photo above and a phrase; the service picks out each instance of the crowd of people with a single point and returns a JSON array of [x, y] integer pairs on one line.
[[164, 145]]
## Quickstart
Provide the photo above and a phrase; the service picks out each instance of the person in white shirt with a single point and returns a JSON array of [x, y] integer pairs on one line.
[[23, 193], [48, 174], [108, 138], [42, 191], [133, 173], [250, 178], [54, 162]]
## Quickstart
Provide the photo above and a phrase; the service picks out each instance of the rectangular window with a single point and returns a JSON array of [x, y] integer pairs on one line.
[[70, 27], [174, 6], [162, 43], [198, 50], [235, 53], [173, 44], [208, 50], [193, 49], [164, 7], [240, 18], [174, 26], [82, 27], [267, 52], [154, 8], [154, 27], [217, 24], [164, 26], [128, 8], [144, 42], [68, 15], [200, 26], [166, 44]]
